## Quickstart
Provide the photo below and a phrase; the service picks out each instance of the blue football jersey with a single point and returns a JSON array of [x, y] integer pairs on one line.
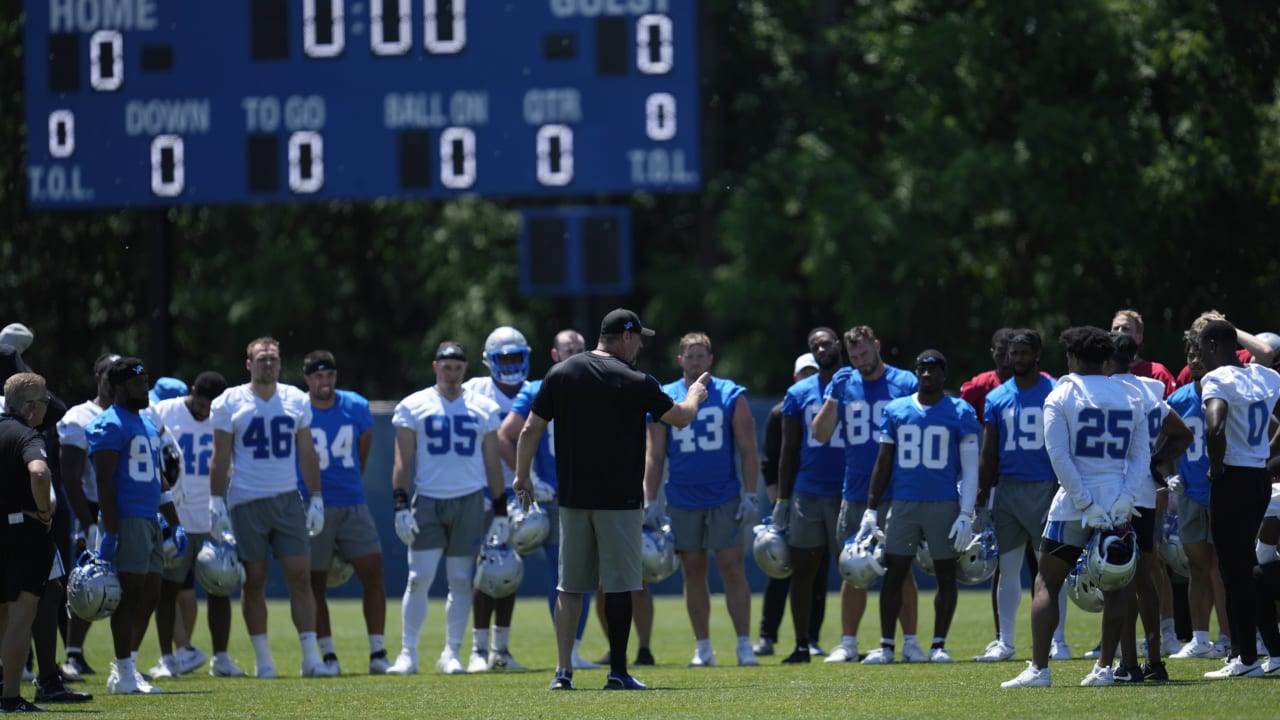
[[137, 477], [926, 464], [702, 470], [1018, 416], [1193, 466], [544, 460], [821, 464], [336, 435], [862, 406]]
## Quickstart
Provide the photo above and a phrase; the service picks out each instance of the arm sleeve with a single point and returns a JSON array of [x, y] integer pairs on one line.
[[772, 445], [1057, 441], [968, 472]]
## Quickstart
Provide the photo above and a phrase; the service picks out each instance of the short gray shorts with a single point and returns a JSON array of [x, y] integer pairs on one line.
[[1193, 521], [1019, 511], [601, 548], [1069, 537], [141, 550], [454, 524], [278, 522], [813, 523], [908, 522], [183, 573], [851, 519], [712, 529], [348, 531]]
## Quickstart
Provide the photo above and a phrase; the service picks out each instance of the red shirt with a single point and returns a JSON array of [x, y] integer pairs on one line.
[[975, 390], [1146, 368], [1184, 377]]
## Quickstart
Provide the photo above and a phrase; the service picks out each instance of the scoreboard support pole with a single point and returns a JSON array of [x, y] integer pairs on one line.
[[159, 244]]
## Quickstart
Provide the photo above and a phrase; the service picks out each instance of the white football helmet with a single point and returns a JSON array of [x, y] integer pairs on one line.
[[93, 588], [499, 569], [770, 549], [339, 572], [507, 340], [861, 561], [924, 560], [1111, 558], [1082, 590], [980, 558], [1175, 555], [529, 528], [658, 559], [218, 567]]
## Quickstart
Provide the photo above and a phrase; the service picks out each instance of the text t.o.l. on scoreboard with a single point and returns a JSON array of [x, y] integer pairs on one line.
[[163, 102]]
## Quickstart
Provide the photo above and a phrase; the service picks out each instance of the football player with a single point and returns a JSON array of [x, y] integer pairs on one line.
[[706, 500], [447, 450], [858, 395], [185, 421], [1099, 444], [567, 343], [125, 449], [929, 455], [506, 355], [342, 430], [1239, 401], [1015, 467], [261, 439]]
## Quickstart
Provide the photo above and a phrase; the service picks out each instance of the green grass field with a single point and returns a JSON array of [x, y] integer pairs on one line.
[[965, 689]]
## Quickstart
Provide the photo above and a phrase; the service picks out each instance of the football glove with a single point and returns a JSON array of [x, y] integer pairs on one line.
[[1095, 517], [315, 516], [108, 547], [748, 509], [406, 526], [652, 514], [500, 529], [221, 519], [179, 539], [1175, 483], [961, 532], [869, 525], [782, 514], [1122, 509]]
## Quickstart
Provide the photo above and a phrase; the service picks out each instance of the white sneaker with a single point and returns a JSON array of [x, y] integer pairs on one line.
[[449, 664], [1169, 644], [879, 656], [842, 654], [501, 661], [1235, 669], [1099, 676], [996, 652], [265, 672], [406, 663], [119, 683], [1031, 677], [912, 652], [479, 661], [1261, 647], [190, 659], [1271, 665], [939, 655], [144, 687], [1197, 649], [225, 668], [1059, 651], [378, 663], [581, 663], [700, 660], [168, 667], [747, 657], [1093, 654], [331, 662], [321, 669]]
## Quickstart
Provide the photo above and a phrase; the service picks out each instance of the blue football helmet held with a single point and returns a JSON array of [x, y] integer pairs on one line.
[[501, 344]]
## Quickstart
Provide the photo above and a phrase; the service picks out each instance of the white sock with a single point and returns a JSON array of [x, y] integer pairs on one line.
[[1167, 626], [744, 642], [169, 657], [261, 649], [849, 641], [223, 656], [480, 639], [457, 608], [126, 666], [1009, 593], [1060, 632], [704, 647], [75, 651], [1200, 636], [907, 640], [501, 638], [310, 650], [326, 646], [413, 607], [377, 643]]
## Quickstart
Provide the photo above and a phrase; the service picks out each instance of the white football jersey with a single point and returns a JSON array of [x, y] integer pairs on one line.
[[1098, 442], [264, 455], [487, 387], [1250, 393], [449, 461], [1155, 409], [195, 439], [71, 432]]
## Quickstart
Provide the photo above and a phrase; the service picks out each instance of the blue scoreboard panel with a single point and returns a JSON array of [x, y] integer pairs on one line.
[[164, 102]]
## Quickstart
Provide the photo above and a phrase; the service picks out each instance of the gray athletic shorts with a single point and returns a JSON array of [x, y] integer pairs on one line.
[[184, 573], [1020, 510], [279, 522], [813, 522], [711, 529], [1193, 521], [601, 548], [454, 524], [349, 531], [909, 521], [1065, 540], [141, 550]]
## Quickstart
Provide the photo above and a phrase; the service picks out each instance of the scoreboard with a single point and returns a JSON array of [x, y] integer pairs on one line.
[[166, 102]]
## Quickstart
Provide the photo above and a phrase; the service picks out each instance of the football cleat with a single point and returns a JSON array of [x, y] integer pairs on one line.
[[815, 649], [144, 687], [378, 663], [190, 659], [879, 656], [912, 652], [563, 681], [20, 706], [1059, 651], [1198, 649], [321, 669], [1270, 667], [644, 656], [940, 655], [406, 663], [1234, 669], [1128, 674], [331, 662], [996, 652], [76, 665], [842, 654], [479, 661], [501, 661], [763, 647], [166, 668], [747, 658], [700, 660], [119, 683], [623, 682], [223, 667], [1155, 673], [266, 671], [449, 664], [800, 656], [1098, 676], [1029, 678], [56, 691]]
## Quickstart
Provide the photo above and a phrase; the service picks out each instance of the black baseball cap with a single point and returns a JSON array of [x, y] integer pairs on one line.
[[450, 351], [623, 320], [124, 370], [931, 357]]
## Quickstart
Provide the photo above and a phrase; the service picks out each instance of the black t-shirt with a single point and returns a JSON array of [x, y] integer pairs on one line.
[[19, 445], [600, 406], [772, 445]]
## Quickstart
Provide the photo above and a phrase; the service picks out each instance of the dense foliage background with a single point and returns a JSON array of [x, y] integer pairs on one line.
[[932, 168]]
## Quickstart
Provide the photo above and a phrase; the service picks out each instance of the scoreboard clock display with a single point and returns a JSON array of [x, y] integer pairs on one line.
[[164, 102]]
